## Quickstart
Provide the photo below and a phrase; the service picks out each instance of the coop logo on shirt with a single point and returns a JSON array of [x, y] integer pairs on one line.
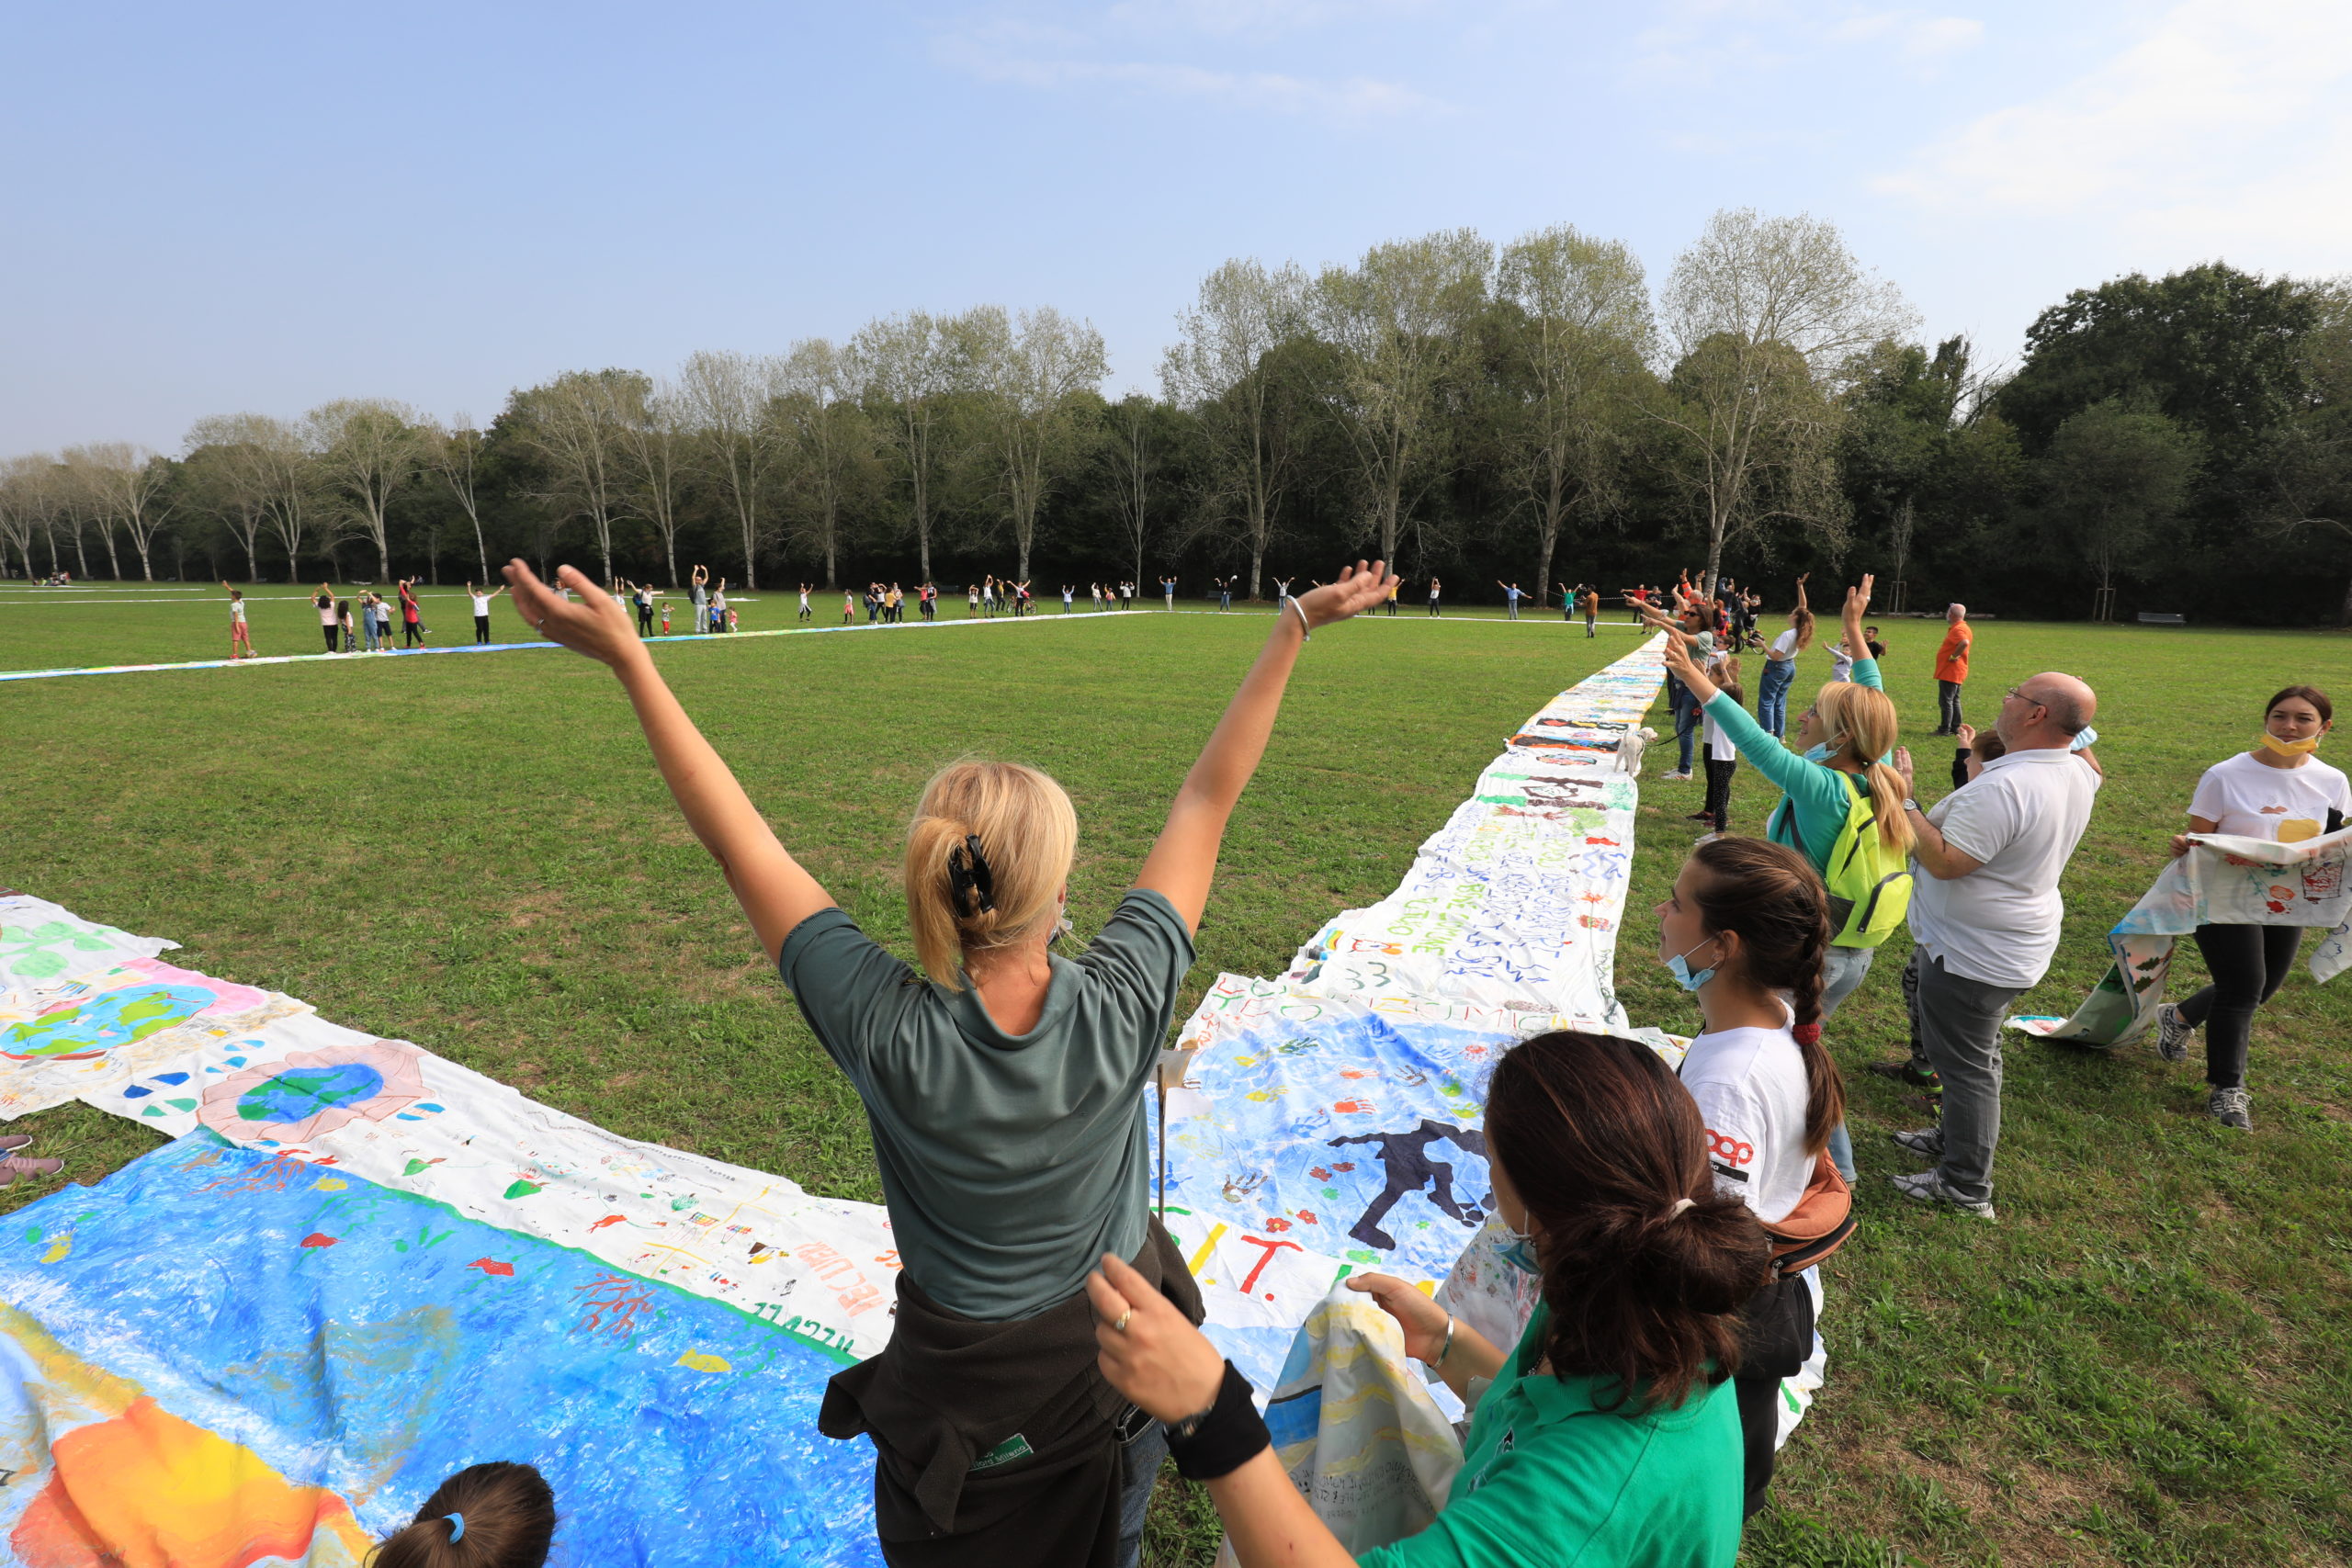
[[1730, 1154]]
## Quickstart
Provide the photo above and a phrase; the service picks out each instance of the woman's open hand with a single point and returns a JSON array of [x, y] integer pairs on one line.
[[1360, 587], [1423, 1321], [595, 626], [1149, 1352]]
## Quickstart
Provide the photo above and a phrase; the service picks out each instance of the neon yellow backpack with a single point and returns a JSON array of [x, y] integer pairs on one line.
[[1870, 885]]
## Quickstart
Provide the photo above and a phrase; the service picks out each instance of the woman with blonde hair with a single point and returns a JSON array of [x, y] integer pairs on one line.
[[1003, 1085]]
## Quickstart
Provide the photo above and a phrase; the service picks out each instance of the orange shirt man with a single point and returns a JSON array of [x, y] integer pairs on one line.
[[1952, 669]]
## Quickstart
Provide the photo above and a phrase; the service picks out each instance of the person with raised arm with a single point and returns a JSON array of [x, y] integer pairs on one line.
[[1780, 666], [1846, 738], [1003, 1087]]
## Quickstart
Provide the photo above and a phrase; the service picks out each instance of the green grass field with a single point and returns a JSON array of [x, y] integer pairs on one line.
[[2147, 1360]]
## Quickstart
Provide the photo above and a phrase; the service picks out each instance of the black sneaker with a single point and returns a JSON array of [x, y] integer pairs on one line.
[[2232, 1108], [1903, 1072]]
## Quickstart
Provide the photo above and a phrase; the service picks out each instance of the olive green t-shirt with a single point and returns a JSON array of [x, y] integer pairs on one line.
[[1547, 1477], [1011, 1162]]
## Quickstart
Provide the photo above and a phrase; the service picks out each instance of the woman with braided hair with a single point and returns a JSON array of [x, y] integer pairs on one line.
[[1003, 1085], [1606, 1434], [1745, 929]]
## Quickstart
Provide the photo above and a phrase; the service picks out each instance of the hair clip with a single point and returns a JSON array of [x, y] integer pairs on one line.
[[968, 874]]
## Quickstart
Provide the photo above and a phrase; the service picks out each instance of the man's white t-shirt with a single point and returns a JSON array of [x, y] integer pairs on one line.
[[2254, 800], [1752, 1094], [2020, 819], [481, 602]]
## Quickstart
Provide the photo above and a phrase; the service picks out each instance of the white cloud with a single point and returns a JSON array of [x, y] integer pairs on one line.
[[2227, 124], [1750, 37]]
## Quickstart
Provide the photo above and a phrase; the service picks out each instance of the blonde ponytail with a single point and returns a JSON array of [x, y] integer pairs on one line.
[[988, 855], [1862, 728]]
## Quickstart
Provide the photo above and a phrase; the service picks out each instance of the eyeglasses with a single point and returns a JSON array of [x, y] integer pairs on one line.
[[2018, 692]]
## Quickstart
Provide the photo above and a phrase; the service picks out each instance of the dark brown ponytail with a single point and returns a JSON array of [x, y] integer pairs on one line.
[[1603, 1145], [1771, 895], [509, 1512]]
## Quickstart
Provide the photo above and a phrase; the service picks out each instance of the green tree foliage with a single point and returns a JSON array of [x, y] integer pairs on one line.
[[2113, 480]]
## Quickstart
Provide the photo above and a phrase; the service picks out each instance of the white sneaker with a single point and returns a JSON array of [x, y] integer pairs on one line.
[[1928, 1186], [1675, 777]]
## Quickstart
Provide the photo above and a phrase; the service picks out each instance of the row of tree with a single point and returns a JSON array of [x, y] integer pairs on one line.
[[1457, 408]]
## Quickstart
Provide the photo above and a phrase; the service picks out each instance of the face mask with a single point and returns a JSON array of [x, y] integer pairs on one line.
[[1519, 1251], [2289, 748], [1680, 970]]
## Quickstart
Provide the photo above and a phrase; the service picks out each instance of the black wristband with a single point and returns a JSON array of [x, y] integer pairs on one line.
[[1228, 1437]]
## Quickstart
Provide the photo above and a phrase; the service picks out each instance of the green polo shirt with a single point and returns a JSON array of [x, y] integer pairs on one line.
[[1011, 1162], [1549, 1478]]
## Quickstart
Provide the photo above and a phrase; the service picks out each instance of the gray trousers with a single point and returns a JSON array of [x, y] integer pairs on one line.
[[1959, 1026]]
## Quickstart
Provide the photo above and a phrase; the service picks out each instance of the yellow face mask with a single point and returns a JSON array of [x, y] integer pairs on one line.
[[2289, 748]]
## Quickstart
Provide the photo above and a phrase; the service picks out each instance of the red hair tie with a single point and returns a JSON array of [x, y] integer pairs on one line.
[[1807, 1033]]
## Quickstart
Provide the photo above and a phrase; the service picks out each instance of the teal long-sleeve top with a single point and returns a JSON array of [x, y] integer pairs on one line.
[[1814, 799]]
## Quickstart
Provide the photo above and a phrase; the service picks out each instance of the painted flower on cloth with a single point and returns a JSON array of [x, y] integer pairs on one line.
[[300, 1097]]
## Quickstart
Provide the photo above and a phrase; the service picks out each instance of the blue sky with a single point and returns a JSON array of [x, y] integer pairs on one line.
[[239, 207]]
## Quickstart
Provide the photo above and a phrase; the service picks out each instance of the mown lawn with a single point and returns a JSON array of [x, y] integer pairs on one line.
[[2147, 1360]]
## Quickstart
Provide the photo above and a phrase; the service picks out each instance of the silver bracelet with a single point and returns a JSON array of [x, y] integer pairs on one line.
[[1447, 1348], [1303, 633]]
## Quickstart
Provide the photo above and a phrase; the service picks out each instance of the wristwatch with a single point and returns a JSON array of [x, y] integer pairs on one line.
[[1912, 806]]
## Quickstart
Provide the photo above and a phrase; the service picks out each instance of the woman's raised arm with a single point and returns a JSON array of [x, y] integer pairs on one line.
[[1183, 861], [775, 892]]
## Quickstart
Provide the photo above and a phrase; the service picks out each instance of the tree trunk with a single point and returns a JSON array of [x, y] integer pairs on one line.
[[1544, 557], [114, 561], [146, 568], [1257, 556], [384, 561], [81, 556], [669, 552]]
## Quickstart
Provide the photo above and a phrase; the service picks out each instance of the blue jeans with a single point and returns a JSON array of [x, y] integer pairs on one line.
[[1773, 695], [1842, 970], [1141, 1460], [1686, 719]]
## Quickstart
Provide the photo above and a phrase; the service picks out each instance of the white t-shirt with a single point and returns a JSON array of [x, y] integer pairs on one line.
[[237, 611], [326, 613], [1841, 665], [2255, 800], [1785, 645], [481, 602], [1752, 1094], [2020, 819]]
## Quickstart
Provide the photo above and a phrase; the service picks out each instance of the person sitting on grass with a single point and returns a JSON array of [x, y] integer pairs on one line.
[[1003, 1086], [486, 1515], [1607, 1435]]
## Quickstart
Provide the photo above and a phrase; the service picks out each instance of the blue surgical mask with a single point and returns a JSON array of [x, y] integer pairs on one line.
[[1519, 1251], [1681, 971]]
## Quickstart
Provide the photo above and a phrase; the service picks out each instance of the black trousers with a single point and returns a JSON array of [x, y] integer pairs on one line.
[[481, 628], [334, 638], [412, 634], [1719, 790], [1776, 1335], [645, 620], [2248, 965]]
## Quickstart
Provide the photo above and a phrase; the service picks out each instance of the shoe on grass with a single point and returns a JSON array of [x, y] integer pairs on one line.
[[1677, 777], [1704, 839], [1699, 817], [1927, 1141], [1902, 1071], [2171, 1033], [16, 1166], [1928, 1186], [12, 1142], [2230, 1107]]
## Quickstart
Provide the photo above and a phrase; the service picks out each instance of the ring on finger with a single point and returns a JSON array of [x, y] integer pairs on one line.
[[1121, 1327]]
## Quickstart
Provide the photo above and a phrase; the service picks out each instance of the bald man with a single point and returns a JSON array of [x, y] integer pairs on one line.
[[1985, 914]]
